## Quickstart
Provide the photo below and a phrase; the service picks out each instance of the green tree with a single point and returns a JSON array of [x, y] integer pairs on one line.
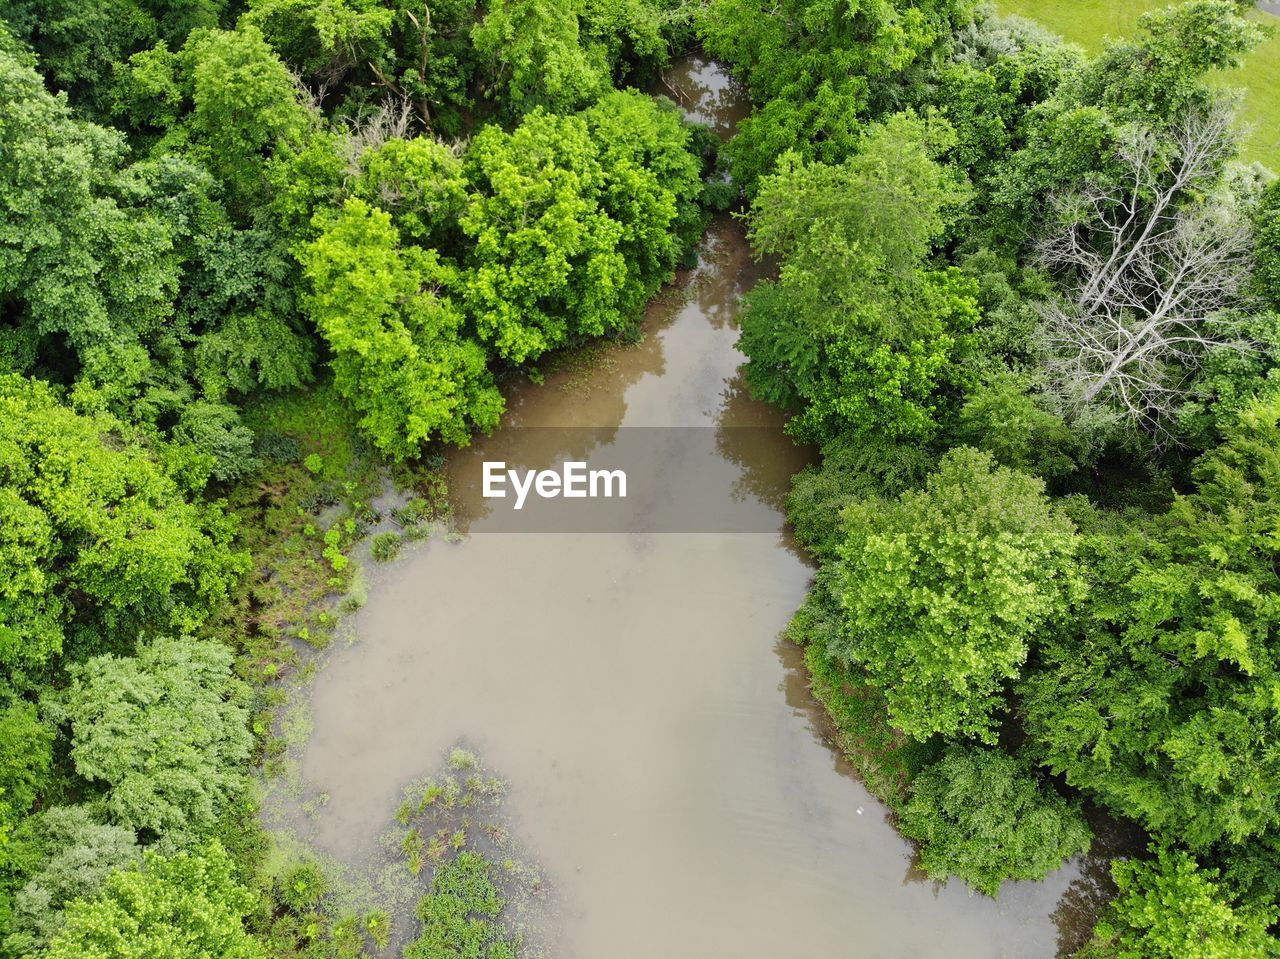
[[1159, 699], [637, 36], [244, 106], [821, 70], [325, 39], [81, 266], [1268, 246], [1152, 81], [399, 351], [981, 815], [855, 335], [1171, 909], [944, 588], [545, 267], [77, 854], [99, 541], [1003, 418], [420, 182], [651, 184], [533, 56], [79, 44], [26, 759], [1158, 74], [166, 731], [187, 906], [851, 469], [240, 303]]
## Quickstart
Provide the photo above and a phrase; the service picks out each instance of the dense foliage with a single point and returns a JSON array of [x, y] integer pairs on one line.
[[944, 589], [253, 256], [187, 906], [1026, 305], [1170, 908], [982, 815]]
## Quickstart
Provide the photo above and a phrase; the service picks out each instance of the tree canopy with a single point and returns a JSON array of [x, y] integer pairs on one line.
[[944, 589]]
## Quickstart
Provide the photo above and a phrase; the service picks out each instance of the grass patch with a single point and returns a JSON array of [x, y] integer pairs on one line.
[[1090, 22]]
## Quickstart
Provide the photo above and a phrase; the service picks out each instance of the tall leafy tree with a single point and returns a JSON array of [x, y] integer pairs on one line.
[[421, 183], [1160, 700], [400, 353], [1170, 909], [1268, 246], [100, 540], [821, 69], [76, 855], [1152, 81], [980, 814], [166, 731], [244, 106], [188, 906], [945, 588], [857, 334], [651, 184], [545, 266], [534, 55], [80, 45], [82, 268], [324, 40]]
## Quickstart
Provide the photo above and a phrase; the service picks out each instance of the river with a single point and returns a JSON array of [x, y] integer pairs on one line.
[[667, 766]]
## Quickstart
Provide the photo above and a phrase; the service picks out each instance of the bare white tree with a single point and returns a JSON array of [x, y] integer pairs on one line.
[[1152, 267], [393, 120]]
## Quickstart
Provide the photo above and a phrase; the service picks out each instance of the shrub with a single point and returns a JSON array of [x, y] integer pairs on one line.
[[386, 547], [981, 815]]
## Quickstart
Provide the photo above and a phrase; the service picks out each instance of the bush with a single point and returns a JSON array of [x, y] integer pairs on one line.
[[982, 815], [303, 887], [460, 916], [849, 471], [385, 547]]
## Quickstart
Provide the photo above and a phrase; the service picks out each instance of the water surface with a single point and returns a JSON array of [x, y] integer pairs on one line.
[[667, 764]]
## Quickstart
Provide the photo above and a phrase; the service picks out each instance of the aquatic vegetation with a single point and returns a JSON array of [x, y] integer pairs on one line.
[[386, 547], [482, 899]]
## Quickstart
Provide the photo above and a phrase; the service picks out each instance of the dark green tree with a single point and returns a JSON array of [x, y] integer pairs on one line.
[[1158, 701], [980, 814]]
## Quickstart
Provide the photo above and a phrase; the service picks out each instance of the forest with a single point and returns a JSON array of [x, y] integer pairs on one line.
[[1024, 299]]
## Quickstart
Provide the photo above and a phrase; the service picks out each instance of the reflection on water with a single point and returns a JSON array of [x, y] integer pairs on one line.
[[667, 765], [707, 93]]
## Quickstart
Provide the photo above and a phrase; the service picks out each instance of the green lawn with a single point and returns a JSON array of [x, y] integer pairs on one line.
[[1089, 22]]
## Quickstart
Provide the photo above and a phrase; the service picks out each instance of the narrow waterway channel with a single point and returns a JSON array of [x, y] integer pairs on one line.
[[667, 766]]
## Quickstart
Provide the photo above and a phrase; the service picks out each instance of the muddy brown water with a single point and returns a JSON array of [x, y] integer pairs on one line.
[[668, 767]]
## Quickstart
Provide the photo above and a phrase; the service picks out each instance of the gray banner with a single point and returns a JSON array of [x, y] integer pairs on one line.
[[637, 479]]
